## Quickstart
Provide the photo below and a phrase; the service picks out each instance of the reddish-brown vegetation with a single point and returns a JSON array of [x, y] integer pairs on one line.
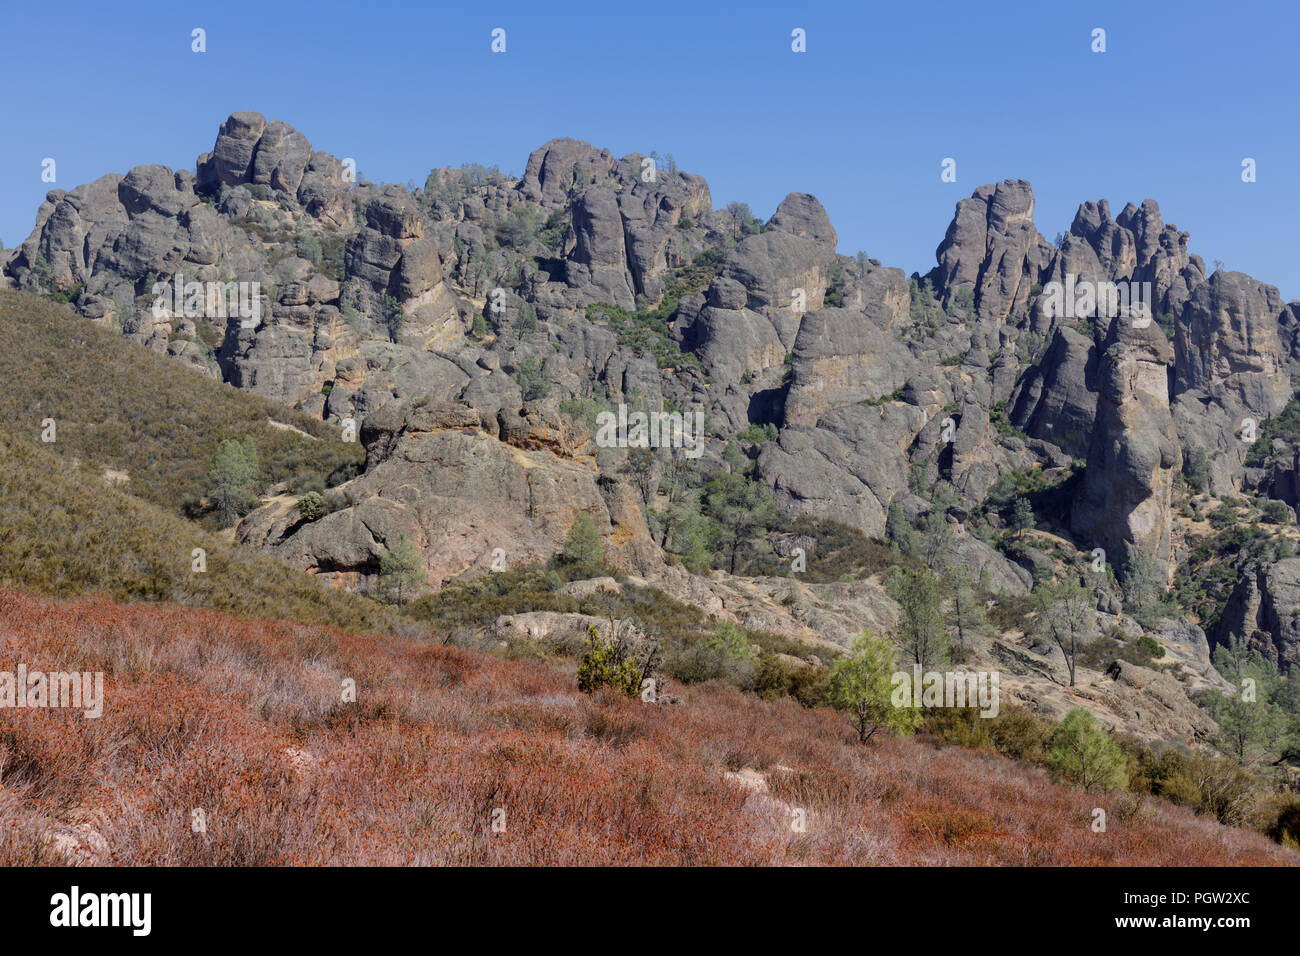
[[244, 721]]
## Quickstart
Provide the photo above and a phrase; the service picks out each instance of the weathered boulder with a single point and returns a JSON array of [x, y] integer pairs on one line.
[[800, 214], [458, 488], [549, 173], [848, 468]]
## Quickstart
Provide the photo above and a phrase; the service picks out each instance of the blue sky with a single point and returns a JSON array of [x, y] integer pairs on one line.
[[862, 120]]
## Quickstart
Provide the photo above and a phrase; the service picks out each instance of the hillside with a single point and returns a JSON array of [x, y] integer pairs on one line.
[[68, 526], [151, 422], [965, 470], [243, 720]]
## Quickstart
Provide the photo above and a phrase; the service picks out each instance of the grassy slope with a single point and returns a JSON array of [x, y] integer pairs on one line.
[[64, 530], [117, 405], [243, 720]]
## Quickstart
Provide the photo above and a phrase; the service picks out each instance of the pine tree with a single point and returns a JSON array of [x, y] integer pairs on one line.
[[861, 683], [400, 568], [582, 549], [921, 632], [233, 477], [1083, 753]]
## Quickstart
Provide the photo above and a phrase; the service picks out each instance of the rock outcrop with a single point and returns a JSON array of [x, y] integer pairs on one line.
[[1124, 502], [461, 489], [1264, 610], [992, 250]]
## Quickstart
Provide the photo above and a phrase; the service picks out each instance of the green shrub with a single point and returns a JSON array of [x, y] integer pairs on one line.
[[311, 506], [725, 655], [1276, 512], [605, 665], [1083, 753]]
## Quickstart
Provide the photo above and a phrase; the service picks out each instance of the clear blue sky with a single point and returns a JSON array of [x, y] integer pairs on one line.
[[862, 120]]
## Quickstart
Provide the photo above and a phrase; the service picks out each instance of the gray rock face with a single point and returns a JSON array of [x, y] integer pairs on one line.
[[324, 191], [549, 173], [232, 156], [281, 158], [733, 342], [374, 297], [599, 260], [458, 487], [1057, 399], [999, 574], [800, 214], [847, 469], [1228, 348], [1264, 608], [993, 250], [781, 272], [1231, 366], [843, 357], [652, 214], [1137, 246], [1288, 333], [1186, 643], [1123, 504]]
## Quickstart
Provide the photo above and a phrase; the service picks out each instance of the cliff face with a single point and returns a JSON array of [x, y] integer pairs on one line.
[[1124, 505], [593, 280]]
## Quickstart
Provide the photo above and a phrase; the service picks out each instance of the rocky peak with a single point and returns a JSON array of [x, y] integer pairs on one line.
[[800, 214], [992, 250], [549, 173]]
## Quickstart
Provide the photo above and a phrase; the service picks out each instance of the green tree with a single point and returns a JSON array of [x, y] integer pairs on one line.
[[1082, 753], [1022, 514], [526, 320], [394, 317], [964, 299], [519, 227], [400, 569], [938, 543], [582, 549], [1067, 616], [1141, 580], [686, 534], [233, 478], [1196, 469], [742, 220], [899, 532], [741, 513], [1244, 726], [309, 248], [969, 620], [861, 683], [921, 632]]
